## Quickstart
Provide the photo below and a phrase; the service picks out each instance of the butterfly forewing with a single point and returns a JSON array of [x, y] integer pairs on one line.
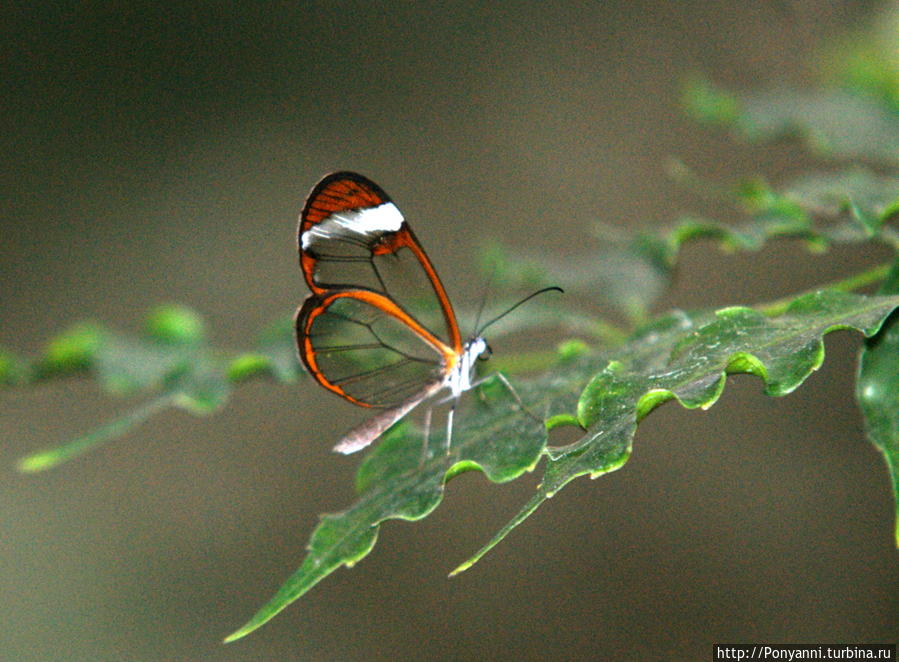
[[344, 218], [364, 347], [351, 235]]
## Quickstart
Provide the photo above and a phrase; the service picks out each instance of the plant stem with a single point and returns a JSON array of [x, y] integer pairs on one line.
[[524, 363], [848, 284]]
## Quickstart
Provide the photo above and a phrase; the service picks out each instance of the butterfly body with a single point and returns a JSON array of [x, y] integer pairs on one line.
[[459, 379]]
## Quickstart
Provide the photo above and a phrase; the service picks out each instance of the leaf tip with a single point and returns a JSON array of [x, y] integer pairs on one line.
[[559, 420], [237, 634], [38, 462], [651, 399], [260, 619], [462, 567]]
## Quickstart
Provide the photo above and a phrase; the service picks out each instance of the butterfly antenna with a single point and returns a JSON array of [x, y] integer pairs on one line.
[[527, 298], [483, 303]]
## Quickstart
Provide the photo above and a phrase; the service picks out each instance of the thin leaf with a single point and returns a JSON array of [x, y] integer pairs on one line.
[[877, 390], [52, 457]]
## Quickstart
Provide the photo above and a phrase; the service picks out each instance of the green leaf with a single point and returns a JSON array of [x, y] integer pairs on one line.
[[683, 356], [877, 390], [830, 122], [126, 364], [622, 274], [870, 73], [247, 366], [203, 388], [192, 373], [708, 104], [846, 206], [572, 349], [687, 357]]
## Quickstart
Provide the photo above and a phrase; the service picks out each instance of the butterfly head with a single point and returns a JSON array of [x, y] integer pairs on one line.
[[479, 348]]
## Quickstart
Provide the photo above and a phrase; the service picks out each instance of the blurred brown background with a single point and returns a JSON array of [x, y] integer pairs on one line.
[[155, 152]]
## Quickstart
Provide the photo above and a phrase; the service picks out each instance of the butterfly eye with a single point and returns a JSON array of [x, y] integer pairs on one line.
[[486, 354]]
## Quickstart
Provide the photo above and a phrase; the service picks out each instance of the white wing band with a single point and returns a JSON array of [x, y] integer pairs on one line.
[[361, 223]]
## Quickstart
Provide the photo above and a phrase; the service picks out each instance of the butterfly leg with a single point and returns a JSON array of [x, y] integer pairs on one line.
[[505, 382], [449, 424], [426, 438]]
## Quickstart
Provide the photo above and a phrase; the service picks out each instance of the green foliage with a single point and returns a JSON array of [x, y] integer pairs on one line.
[[853, 117], [607, 376], [247, 366], [834, 123], [867, 61], [709, 104], [170, 365], [686, 357], [682, 356]]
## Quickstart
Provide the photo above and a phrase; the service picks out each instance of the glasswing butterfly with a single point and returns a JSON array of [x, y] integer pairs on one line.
[[365, 331]]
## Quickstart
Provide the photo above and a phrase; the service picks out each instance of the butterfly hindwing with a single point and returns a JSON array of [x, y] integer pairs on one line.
[[362, 346]]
